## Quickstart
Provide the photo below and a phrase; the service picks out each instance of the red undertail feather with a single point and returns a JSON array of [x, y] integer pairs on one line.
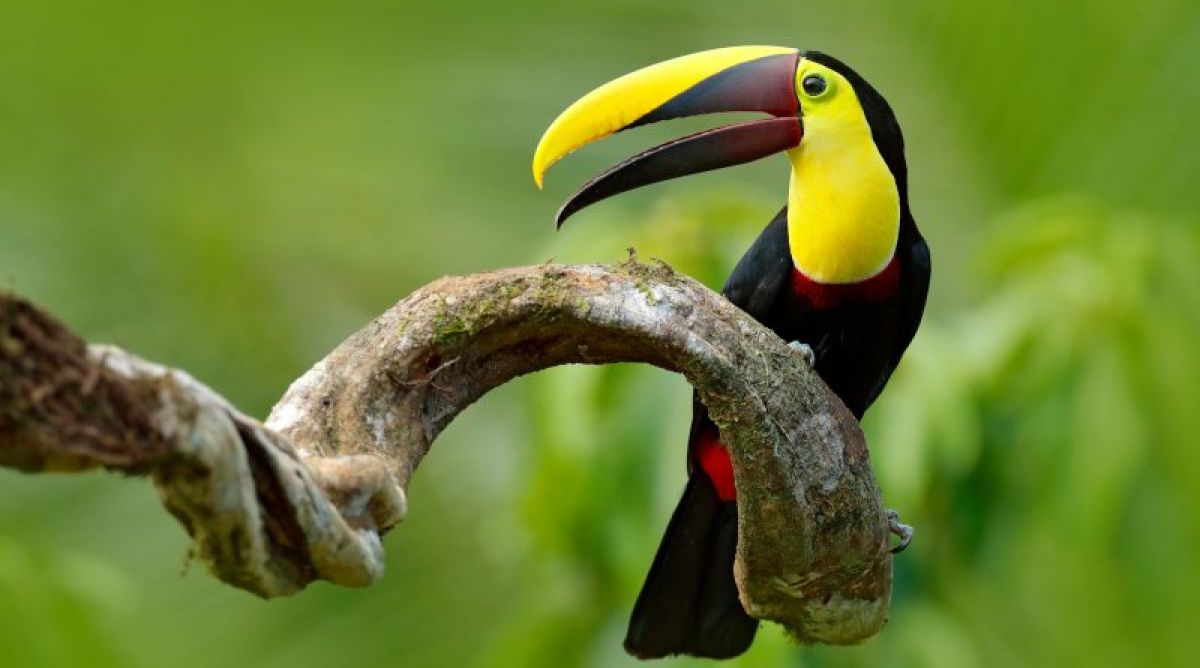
[[713, 458]]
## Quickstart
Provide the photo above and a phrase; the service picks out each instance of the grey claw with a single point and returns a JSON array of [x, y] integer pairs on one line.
[[904, 531], [805, 351]]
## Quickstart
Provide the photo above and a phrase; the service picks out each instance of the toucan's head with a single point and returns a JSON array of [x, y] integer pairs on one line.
[[819, 107]]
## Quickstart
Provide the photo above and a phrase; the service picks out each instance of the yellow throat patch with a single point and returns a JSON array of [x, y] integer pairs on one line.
[[843, 204]]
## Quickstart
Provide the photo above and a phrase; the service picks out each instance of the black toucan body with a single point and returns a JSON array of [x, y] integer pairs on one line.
[[842, 269]]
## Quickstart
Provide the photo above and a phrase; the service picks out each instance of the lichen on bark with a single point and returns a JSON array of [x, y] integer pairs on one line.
[[315, 486]]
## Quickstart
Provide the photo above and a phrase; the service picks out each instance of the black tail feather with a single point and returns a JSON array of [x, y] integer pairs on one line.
[[689, 603]]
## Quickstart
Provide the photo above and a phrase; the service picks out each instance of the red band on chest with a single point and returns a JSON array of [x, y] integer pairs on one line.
[[826, 295]]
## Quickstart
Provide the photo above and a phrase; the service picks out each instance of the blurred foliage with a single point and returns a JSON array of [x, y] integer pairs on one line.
[[233, 188]]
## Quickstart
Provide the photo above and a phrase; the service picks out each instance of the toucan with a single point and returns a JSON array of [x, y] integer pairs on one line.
[[841, 273]]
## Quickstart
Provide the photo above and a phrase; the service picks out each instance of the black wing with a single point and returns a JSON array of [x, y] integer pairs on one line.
[[914, 288], [913, 253], [756, 280]]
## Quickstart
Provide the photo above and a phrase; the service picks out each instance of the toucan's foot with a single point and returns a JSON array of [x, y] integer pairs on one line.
[[805, 351], [904, 531]]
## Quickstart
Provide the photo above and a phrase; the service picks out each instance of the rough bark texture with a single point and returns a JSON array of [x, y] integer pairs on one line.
[[306, 496]]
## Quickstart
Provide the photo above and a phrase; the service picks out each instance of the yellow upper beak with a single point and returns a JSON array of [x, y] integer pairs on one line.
[[634, 97]]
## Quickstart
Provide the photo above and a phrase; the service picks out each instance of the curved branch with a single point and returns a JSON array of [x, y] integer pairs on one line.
[[306, 496]]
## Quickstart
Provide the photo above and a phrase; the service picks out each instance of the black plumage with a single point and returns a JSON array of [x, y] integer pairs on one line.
[[689, 602]]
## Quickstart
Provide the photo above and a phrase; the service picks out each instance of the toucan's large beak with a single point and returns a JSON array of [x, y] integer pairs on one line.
[[748, 78]]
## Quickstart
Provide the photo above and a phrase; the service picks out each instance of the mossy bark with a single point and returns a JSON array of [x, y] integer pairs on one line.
[[327, 473], [813, 548]]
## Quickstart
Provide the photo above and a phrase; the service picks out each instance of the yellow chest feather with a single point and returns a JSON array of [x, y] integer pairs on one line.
[[843, 206]]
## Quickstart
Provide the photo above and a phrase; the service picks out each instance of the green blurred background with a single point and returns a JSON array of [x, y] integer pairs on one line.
[[234, 189]]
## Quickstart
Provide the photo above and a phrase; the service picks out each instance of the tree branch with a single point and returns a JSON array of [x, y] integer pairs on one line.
[[271, 508]]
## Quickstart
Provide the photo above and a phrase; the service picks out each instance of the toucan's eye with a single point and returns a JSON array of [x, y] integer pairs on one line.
[[814, 85]]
